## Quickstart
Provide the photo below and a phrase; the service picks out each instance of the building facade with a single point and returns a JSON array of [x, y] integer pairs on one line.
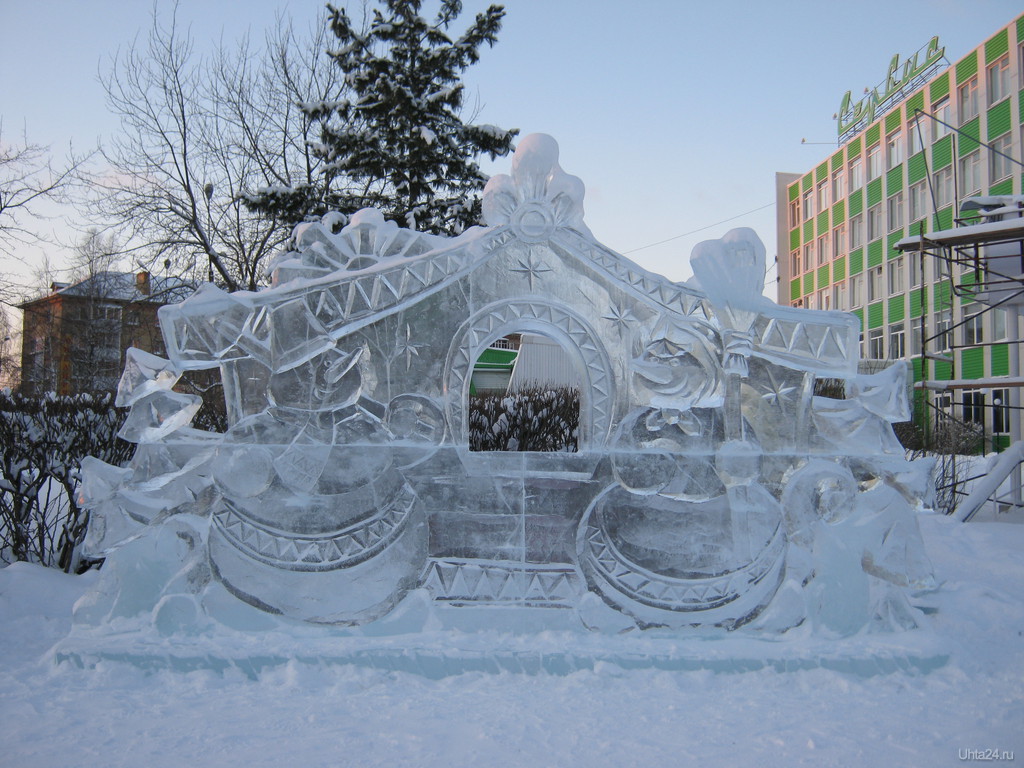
[[74, 338], [910, 153]]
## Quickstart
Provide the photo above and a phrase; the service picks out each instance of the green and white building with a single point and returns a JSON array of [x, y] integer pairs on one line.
[[911, 151]]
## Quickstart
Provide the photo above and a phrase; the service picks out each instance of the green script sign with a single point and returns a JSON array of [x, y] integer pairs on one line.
[[898, 83]]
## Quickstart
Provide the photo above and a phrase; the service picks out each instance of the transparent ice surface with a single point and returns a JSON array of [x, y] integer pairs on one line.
[[711, 487]]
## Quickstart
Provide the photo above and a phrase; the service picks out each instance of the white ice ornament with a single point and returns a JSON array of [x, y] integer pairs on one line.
[[710, 486]]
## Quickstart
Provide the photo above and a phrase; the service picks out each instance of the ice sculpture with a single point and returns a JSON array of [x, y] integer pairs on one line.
[[711, 487]]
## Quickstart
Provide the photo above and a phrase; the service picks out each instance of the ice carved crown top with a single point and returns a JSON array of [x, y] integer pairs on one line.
[[539, 197]]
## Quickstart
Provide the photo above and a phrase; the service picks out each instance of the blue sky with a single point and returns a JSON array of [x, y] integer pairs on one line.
[[676, 115]]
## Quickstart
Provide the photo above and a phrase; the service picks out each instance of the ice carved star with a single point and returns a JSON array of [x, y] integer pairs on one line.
[[532, 267], [778, 391], [406, 347], [620, 317]]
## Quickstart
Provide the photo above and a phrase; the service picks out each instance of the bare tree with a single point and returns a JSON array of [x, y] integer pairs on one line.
[[29, 178], [199, 132]]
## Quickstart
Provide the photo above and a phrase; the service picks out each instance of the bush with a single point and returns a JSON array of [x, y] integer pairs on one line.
[[530, 419], [42, 443]]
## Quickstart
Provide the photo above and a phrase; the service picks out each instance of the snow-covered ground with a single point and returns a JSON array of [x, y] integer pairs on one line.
[[303, 714]]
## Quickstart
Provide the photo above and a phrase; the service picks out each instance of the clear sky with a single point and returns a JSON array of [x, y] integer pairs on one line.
[[676, 114]]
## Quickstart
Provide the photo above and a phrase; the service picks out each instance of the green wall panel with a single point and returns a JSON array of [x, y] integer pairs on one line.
[[941, 371], [916, 368], [808, 230], [873, 134], [939, 87], [893, 120], [875, 315], [837, 161], [941, 295], [917, 168], [839, 269], [1004, 187], [890, 241], [807, 182], [809, 283], [874, 192], [999, 121], [1000, 355], [874, 253], [856, 202], [944, 218], [915, 102], [966, 67], [794, 289], [856, 261], [822, 222], [823, 277], [894, 180], [970, 132], [942, 152], [897, 308], [794, 191], [915, 296], [854, 148], [821, 172], [838, 213], [859, 314], [972, 363], [997, 45], [794, 239]]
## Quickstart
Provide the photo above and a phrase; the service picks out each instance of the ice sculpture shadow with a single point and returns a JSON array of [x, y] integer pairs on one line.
[[711, 487]]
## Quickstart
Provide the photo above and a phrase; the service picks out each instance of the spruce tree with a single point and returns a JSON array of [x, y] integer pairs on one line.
[[398, 142]]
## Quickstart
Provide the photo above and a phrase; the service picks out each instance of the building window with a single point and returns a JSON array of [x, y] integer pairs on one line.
[[838, 241], [894, 211], [874, 162], [794, 213], [856, 290], [918, 194], [823, 250], [974, 406], [875, 283], [808, 256], [822, 200], [974, 332], [893, 149], [808, 206], [897, 348], [915, 137], [795, 267], [1001, 411], [838, 185], [798, 304], [998, 324], [999, 80], [812, 301], [876, 344], [839, 296], [970, 173], [967, 95], [856, 231], [824, 299], [874, 222], [943, 334], [1000, 164], [943, 187], [856, 173], [916, 335], [895, 270], [915, 270], [942, 110], [944, 402]]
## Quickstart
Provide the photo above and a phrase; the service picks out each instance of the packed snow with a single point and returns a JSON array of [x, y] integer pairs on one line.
[[317, 714]]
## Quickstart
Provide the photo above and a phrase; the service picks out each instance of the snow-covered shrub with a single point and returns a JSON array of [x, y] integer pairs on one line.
[[533, 418], [42, 444]]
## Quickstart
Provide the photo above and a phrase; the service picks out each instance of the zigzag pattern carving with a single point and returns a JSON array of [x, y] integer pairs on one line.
[[315, 553], [483, 581]]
